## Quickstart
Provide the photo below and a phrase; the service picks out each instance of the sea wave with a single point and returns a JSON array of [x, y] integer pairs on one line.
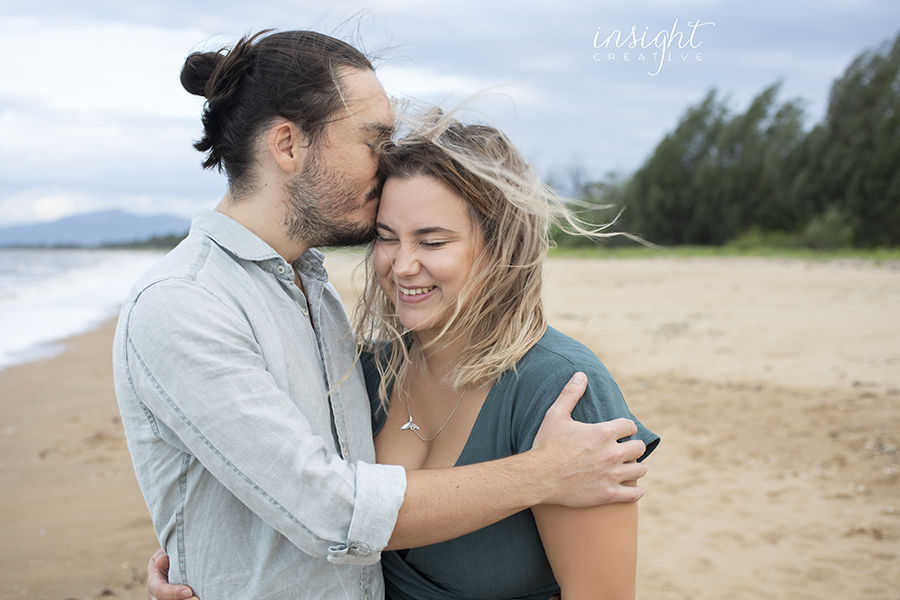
[[47, 295]]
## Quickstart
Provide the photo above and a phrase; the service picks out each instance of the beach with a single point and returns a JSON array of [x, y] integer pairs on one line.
[[774, 384]]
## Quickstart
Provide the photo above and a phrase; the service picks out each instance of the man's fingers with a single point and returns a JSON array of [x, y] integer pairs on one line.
[[158, 586], [632, 449], [626, 493], [632, 471], [591, 466], [165, 591], [570, 394], [161, 560], [622, 428]]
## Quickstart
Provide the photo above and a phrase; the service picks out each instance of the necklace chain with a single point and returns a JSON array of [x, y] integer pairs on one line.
[[412, 426]]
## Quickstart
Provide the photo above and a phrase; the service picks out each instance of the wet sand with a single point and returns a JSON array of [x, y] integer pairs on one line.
[[775, 385]]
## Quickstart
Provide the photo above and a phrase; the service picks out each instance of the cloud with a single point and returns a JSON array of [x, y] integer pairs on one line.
[[448, 89], [41, 204], [92, 116], [38, 144], [55, 163], [109, 67]]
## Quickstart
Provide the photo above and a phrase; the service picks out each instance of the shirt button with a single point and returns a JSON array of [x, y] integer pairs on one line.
[[304, 311], [345, 451], [280, 269]]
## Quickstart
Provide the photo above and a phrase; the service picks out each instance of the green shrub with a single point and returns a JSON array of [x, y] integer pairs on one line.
[[830, 230]]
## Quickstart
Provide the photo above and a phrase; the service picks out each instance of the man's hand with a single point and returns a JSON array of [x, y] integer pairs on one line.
[[158, 586], [585, 464]]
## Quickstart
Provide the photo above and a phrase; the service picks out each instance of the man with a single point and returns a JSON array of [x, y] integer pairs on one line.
[[245, 412]]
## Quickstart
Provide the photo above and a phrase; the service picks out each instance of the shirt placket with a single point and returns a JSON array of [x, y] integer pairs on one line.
[[314, 288]]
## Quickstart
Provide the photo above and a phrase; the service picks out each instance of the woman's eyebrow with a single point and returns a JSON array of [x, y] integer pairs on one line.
[[420, 231], [427, 230]]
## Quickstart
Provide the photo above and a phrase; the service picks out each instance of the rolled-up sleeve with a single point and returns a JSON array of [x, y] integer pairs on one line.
[[371, 526], [198, 369]]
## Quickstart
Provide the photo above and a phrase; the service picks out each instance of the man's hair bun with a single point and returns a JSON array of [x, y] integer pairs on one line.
[[197, 71]]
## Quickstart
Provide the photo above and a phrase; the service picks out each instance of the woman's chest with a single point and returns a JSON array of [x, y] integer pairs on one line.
[[431, 433]]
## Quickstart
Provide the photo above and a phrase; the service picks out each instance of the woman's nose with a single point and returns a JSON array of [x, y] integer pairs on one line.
[[405, 263]]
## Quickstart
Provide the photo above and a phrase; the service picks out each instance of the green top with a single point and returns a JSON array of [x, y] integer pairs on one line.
[[506, 559]]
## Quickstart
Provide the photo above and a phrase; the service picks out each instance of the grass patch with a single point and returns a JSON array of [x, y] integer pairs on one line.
[[876, 255]]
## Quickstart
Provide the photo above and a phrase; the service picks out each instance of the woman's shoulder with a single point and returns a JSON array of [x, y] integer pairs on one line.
[[546, 368], [541, 375], [558, 356]]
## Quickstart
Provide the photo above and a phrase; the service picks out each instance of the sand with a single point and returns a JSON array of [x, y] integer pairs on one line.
[[775, 385]]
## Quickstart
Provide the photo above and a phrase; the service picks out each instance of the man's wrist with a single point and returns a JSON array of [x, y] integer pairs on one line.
[[536, 477]]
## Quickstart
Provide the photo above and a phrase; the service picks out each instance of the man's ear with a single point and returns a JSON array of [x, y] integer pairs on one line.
[[288, 146]]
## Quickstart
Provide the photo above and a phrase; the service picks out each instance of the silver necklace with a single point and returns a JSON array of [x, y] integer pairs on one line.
[[411, 425]]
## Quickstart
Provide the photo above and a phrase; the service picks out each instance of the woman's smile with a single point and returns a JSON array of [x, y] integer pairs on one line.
[[415, 294]]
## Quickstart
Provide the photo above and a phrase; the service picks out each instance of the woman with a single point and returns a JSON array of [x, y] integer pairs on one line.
[[460, 364], [461, 361]]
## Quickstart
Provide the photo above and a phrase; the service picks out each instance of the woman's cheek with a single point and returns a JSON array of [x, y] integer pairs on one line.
[[378, 260], [382, 268]]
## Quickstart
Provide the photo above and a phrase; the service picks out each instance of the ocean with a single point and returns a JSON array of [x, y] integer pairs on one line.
[[47, 295]]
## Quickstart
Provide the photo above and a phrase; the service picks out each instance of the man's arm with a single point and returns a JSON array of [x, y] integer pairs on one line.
[[571, 463]]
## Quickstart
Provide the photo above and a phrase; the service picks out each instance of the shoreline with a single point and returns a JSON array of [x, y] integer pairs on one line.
[[51, 348], [50, 294], [769, 484]]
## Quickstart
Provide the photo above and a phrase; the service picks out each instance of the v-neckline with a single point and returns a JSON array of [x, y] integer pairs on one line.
[[474, 425], [478, 419]]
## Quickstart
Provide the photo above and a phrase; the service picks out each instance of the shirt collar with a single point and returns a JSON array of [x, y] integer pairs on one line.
[[246, 245]]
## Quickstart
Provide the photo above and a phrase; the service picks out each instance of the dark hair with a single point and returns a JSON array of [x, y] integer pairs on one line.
[[289, 74]]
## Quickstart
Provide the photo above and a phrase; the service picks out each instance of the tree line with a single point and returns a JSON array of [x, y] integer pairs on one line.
[[759, 178], [156, 242]]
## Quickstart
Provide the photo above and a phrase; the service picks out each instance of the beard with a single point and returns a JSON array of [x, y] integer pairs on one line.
[[318, 205]]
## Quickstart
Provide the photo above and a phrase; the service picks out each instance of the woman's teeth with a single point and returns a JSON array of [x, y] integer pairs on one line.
[[415, 291]]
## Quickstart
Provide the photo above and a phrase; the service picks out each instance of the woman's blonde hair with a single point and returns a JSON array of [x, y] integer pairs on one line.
[[502, 315]]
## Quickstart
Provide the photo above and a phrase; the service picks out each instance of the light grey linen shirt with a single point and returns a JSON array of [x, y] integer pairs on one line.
[[260, 482]]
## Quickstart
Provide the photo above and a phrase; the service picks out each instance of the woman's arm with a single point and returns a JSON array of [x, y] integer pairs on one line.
[[593, 551]]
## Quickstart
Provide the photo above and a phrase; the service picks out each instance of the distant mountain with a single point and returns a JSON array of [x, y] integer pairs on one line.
[[94, 229]]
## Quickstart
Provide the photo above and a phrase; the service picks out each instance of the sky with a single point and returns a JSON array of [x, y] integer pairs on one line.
[[93, 117]]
